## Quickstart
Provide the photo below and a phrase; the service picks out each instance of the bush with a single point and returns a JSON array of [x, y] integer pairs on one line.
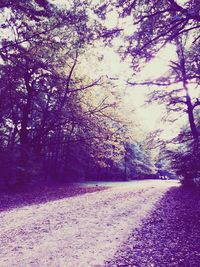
[[185, 163]]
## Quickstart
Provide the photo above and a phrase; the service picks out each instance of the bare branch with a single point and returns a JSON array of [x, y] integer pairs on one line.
[[74, 90], [151, 15], [151, 83], [197, 103]]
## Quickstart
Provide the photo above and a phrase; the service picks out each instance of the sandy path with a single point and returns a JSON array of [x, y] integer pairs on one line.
[[81, 231]]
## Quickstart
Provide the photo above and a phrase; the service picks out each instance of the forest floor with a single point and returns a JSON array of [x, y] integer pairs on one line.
[[131, 224]]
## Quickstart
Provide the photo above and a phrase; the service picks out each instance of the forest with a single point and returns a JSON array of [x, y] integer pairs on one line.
[[64, 115]]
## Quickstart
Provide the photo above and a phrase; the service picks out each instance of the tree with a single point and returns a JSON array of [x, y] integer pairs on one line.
[[177, 89], [158, 23], [38, 60]]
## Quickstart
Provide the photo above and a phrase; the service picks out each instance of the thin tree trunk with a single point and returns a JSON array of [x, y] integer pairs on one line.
[[190, 107], [23, 176]]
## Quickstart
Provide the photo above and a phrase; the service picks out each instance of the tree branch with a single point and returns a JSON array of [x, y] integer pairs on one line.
[[197, 103], [151, 83]]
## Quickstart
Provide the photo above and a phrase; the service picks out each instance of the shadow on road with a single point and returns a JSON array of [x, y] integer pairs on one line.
[[170, 236], [16, 198]]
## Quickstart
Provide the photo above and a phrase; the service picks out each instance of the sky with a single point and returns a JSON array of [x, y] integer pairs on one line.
[[111, 65]]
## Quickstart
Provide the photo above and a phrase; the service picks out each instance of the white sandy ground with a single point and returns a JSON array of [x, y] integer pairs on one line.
[[80, 231]]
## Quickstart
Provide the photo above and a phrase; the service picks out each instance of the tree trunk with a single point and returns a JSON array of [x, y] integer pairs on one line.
[[26, 112], [23, 175], [190, 107], [191, 119]]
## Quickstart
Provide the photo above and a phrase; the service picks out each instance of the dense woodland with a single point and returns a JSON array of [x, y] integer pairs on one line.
[[58, 123]]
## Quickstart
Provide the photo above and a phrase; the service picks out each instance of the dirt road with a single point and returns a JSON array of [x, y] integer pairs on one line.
[[168, 237], [81, 231]]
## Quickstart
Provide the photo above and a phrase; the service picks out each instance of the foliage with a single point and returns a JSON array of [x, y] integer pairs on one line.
[[57, 120], [185, 159], [42, 114], [157, 23], [54, 123], [137, 161]]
